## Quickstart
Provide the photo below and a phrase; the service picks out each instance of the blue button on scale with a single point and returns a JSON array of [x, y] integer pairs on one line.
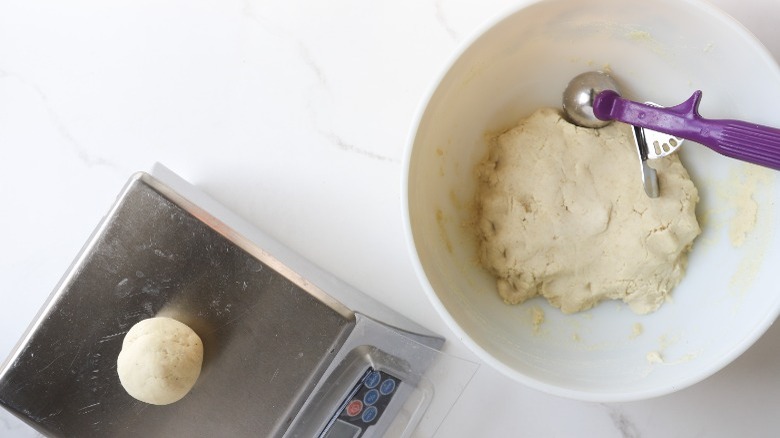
[[369, 414], [373, 379], [371, 397], [388, 386]]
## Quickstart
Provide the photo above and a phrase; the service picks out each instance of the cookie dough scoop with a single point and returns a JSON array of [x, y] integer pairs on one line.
[[592, 100]]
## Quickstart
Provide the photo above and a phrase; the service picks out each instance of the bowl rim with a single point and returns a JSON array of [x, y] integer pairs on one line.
[[559, 390]]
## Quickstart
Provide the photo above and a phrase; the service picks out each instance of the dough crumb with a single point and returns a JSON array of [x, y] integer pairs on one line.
[[636, 330], [655, 357], [537, 318], [741, 196], [562, 214]]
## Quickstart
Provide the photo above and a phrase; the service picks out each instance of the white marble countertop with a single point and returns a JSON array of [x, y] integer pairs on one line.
[[294, 114]]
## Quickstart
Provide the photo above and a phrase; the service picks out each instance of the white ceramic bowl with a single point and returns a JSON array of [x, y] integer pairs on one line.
[[659, 50]]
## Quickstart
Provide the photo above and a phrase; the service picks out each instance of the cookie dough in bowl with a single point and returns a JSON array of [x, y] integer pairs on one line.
[[562, 214], [659, 51]]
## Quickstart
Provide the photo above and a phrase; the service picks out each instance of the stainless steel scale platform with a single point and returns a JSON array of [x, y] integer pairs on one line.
[[289, 349]]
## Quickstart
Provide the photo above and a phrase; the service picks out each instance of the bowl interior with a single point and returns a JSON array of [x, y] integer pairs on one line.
[[658, 50]]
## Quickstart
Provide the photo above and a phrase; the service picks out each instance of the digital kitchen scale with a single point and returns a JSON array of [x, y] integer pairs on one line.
[[289, 350]]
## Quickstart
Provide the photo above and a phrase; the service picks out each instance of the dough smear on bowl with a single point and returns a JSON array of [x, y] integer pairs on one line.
[[562, 213], [160, 360]]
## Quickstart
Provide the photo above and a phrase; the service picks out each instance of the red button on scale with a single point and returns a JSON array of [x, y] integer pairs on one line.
[[354, 407]]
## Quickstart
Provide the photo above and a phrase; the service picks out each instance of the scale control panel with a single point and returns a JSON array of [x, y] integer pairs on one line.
[[364, 406]]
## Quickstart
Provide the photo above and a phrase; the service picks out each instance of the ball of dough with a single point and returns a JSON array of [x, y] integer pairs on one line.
[[160, 360]]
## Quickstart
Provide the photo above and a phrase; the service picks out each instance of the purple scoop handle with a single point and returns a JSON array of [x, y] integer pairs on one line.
[[736, 139]]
